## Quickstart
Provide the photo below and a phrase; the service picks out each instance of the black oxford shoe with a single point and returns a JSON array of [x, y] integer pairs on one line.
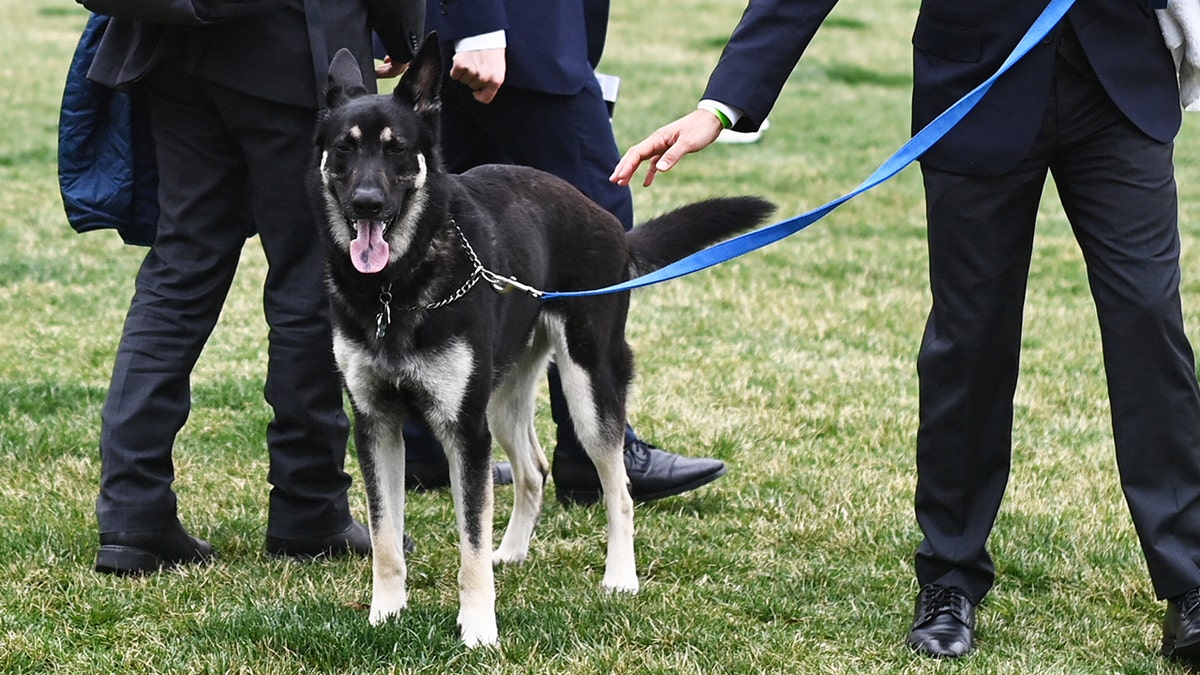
[[653, 474], [139, 553], [1181, 626], [943, 624], [354, 540]]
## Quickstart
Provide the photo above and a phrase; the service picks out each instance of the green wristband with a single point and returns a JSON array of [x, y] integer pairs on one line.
[[725, 122]]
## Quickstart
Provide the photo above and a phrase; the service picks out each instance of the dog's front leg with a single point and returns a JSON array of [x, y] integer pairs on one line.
[[471, 487], [381, 457]]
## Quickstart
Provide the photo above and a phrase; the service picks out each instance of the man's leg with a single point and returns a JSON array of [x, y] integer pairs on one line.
[[309, 513], [180, 289]]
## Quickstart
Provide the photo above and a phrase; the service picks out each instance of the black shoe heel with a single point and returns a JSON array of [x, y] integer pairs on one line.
[[126, 561]]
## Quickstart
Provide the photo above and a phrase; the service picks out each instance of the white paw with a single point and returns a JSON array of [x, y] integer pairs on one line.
[[480, 632], [383, 609], [509, 556], [621, 584]]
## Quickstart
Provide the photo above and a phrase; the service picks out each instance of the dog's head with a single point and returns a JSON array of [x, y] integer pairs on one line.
[[376, 155]]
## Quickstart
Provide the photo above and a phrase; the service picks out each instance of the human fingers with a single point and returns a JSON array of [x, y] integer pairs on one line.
[[486, 93], [482, 70], [389, 69], [667, 146]]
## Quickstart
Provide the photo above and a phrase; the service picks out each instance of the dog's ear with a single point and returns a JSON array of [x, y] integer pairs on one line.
[[345, 79], [421, 86]]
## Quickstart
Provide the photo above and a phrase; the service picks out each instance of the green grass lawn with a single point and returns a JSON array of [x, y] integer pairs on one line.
[[794, 364]]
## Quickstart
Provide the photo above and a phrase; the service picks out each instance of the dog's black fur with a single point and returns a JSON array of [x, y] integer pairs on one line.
[[470, 366]]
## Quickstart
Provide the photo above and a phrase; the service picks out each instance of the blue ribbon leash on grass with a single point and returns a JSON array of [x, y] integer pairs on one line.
[[907, 154]]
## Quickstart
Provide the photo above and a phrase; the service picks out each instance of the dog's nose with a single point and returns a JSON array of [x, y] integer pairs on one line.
[[367, 201]]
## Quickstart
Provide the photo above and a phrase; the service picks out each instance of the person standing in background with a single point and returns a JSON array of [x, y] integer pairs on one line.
[[232, 109]]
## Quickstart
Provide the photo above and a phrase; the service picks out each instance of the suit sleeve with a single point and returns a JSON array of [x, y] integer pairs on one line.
[[400, 25], [762, 52]]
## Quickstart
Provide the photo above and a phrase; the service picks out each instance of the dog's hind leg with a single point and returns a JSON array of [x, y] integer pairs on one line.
[[598, 411], [381, 456], [510, 416], [471, 486]]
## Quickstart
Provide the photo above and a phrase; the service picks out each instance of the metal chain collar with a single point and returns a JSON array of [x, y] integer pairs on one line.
[[498, 283]]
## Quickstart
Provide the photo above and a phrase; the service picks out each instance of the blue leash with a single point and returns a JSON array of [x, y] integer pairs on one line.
[[907, 154]]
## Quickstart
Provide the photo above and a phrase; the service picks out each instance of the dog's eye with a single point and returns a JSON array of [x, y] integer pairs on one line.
[[395, 148], [343, 148]]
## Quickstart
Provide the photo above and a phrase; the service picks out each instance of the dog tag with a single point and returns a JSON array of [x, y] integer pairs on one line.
[[384, 318], [381, 322]]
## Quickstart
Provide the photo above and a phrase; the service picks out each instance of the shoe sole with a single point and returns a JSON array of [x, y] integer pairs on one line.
[[569, 497], [127, 561], [1189, 650]]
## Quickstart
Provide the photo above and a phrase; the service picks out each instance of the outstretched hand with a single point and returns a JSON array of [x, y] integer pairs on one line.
[[668, 145]]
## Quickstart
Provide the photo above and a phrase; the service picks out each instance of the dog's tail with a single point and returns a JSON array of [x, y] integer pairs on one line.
[[663, 240]]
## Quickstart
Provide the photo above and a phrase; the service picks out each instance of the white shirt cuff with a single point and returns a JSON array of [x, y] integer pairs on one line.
[[492, 40]]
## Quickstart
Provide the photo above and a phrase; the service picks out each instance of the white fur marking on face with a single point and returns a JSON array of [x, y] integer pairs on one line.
[[408, 223], [333, 210], [419, 182], [356, 133], [386, 135]]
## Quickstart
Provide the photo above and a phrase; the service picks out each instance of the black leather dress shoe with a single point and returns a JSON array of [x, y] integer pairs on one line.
[[138, 553], [354, 540], [434, 473], [653, 474], [943, 624], [1181, 626]]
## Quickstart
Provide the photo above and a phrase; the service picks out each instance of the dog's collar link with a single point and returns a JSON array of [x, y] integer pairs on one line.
[[384, 318], [498, 283]]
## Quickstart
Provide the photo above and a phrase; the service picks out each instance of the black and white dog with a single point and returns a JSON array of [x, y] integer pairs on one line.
[[415, 334]]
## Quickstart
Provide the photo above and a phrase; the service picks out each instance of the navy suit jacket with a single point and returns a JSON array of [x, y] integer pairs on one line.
[[552, 44], [957, 45]]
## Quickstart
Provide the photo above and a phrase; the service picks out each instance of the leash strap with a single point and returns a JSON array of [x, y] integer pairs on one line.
[[906, 155]]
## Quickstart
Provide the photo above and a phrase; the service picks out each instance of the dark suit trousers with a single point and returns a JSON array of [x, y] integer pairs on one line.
[[1117, 187], [229, 165], [568, 136]]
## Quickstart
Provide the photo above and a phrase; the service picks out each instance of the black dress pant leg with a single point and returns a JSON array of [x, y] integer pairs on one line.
[[307, 436], [980, 234], [1118, 190], [178, 295]]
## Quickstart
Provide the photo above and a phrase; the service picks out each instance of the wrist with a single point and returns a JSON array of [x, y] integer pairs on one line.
[[716, 110]]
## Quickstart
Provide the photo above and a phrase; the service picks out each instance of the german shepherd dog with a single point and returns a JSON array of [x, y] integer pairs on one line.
[[416, 335]]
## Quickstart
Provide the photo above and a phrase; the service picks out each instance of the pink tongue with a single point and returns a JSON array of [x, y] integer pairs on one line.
[[369, 252]]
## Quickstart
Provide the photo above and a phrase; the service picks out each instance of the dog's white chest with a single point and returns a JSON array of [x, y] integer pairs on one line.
[[442, 374]]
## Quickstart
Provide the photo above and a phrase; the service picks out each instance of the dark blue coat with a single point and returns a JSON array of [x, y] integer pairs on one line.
[[106, 168]]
